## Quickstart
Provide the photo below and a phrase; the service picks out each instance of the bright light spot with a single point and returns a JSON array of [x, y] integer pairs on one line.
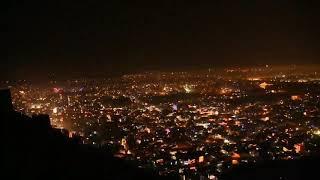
[[254, 79], [223, 151], [264, 85], [212, 177], [298, 147], [201, 159], [187, 88], [286, 149], [36, 106], [175, 107], [235, 162], [55, 110], [225, 90], [57, 90], [316, 132], [148, 130], [295, 98]]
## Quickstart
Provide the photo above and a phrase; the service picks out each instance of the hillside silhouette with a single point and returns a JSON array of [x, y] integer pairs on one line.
[[35, 150]]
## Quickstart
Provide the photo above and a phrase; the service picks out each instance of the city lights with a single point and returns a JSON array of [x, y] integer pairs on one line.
[[184, 122]]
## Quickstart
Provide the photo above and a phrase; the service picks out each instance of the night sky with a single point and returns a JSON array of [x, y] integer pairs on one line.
[[111, 37]]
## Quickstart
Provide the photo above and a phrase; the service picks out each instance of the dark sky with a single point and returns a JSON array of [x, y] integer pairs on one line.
[[113, 36]]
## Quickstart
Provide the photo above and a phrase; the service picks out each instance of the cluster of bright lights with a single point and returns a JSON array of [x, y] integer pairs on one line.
[[316, 132], [187, 88]]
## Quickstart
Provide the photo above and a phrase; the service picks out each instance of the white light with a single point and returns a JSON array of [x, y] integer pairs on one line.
[[212, 177], [55, 110]]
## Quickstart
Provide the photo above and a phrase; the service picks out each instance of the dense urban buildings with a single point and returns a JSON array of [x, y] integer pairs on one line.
[[193, 124]]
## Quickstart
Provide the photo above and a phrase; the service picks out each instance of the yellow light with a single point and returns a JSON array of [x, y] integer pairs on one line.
[[295, 98], [225, 90], [254, 79], [201, 159], [316, 132], [235, 162], [264, 85], [286, 149], [187, 88]]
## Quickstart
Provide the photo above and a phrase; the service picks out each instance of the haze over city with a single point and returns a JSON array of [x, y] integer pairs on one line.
[[115, 37]]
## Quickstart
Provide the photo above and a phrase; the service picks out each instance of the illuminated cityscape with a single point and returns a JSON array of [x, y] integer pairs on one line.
[[199, 90], [192, 124]]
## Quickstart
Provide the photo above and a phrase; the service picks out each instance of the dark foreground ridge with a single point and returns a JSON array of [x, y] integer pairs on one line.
[[35, 150]]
